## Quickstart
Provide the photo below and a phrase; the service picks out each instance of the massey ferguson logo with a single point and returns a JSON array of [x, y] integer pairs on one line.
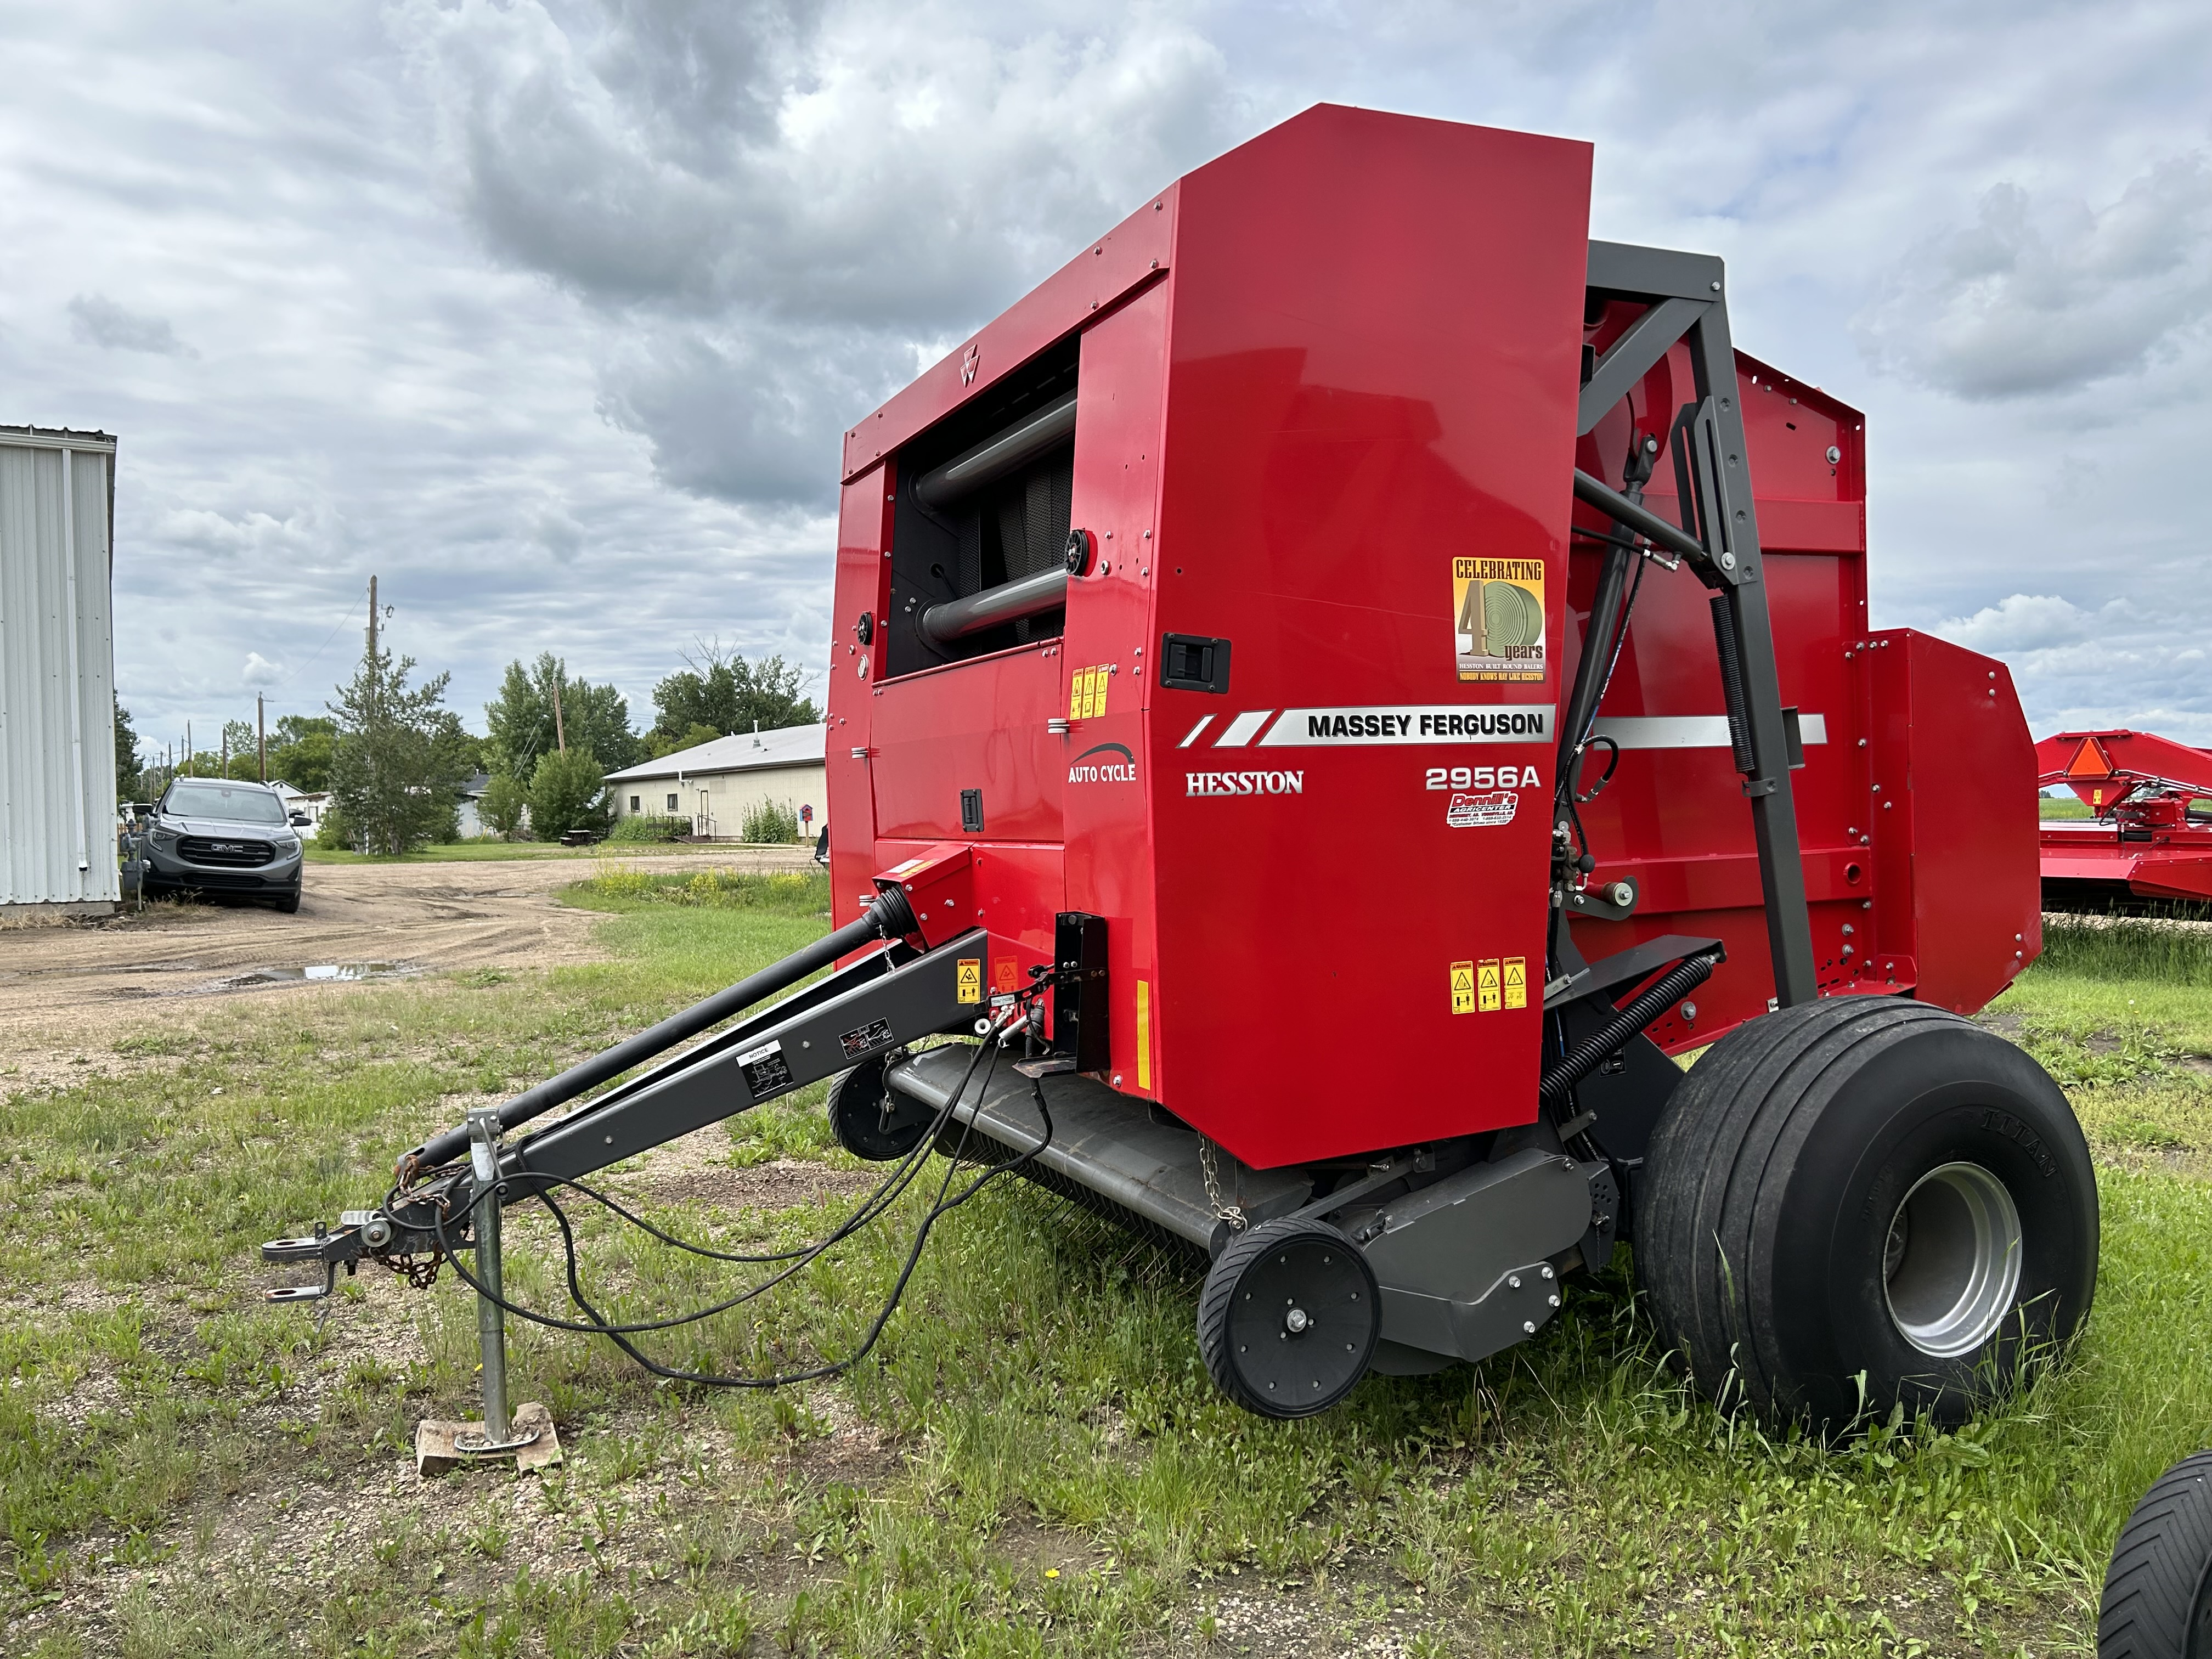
[[1244, 783], [969, 358], [1115, 765]]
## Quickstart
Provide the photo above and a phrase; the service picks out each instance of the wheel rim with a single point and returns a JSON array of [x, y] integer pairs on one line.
[[1951, 1264], [1301, 1327]]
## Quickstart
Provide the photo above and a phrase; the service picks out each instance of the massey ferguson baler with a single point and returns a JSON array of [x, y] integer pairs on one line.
[[1333, 693]]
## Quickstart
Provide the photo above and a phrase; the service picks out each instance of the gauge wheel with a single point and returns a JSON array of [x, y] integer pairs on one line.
[[2158, 1590], [1865, 1203], [870, 1120], [1289, 1317]]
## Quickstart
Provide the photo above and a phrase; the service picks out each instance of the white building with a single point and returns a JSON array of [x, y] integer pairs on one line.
[[715, 784], [58, 824]]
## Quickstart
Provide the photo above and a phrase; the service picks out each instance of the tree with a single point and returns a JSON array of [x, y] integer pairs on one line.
[[240, 743], [522, 727], [567, 792], [504, 803], [396, 771], [657, 744], [727, 693], [299, 747], [127, 766]]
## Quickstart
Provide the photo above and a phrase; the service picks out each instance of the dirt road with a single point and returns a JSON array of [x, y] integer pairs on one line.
[[67, 991]]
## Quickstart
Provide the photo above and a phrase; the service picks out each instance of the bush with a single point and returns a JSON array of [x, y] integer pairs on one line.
[[770, 821], [567, 792], [649, 826], [333, 833], [505, 805]]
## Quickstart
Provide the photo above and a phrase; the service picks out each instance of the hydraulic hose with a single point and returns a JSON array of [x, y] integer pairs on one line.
[[888, 917], [1647, 1005]]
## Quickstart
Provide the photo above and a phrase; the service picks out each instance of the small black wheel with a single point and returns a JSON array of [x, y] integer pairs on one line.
[[1864, 1202], [289, 904], [1288, 1318], [869, 1120], [2158, 1591]]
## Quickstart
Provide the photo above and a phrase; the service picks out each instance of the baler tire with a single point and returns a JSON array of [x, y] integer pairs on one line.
[[855, 1106], [1775, 1231], [2157, 1602], [1346, 1315]]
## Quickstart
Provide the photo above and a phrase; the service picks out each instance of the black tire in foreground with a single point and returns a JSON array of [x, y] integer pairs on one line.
[[868, 1121], [2158, 1591], [289, 904], [1865, 1187], [1288, 1318]]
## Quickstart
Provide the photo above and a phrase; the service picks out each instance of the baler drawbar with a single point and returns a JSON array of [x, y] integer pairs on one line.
[[1329, 719]]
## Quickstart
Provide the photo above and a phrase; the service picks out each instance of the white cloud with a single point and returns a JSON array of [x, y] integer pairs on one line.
[[2040, 295], [259, 671]]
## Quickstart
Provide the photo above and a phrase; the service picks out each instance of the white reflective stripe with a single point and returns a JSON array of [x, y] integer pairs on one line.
[[1241, 730], [1204, 720], [1691, 731]]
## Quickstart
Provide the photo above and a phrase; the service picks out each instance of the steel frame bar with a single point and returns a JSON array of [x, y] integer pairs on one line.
[[1688, 289]]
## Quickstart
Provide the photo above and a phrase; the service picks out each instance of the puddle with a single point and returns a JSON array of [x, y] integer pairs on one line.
[[326, 971]]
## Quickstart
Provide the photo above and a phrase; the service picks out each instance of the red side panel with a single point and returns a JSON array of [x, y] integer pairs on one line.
[[1375, 325], [1954, 818]]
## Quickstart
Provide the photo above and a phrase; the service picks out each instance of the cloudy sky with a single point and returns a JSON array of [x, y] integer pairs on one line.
[[550, 313]]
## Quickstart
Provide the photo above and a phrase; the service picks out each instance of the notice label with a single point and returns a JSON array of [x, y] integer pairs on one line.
[[1497, 618], [1486, 986], [1005, 975], [765, 1070], [969, 980], [1462, 988]]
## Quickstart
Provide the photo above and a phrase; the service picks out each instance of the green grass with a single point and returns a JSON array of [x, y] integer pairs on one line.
[[1034, 1461], [2064, 806]]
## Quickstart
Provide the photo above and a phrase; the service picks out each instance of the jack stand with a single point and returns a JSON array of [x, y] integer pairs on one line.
[[528, 1436]]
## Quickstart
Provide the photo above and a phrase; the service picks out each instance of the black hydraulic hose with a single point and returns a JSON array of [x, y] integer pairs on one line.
[[888, 917], [1592, 1051]]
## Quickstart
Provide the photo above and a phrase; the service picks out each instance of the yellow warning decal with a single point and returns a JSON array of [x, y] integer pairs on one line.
[[1462, 988], [1517, 981], [969, 979], [1486, 986], [1143, 1035], [1086, 692], [1497, 618]]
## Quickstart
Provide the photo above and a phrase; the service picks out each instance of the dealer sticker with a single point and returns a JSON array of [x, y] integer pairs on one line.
[[1497, 618], [1483, 812]]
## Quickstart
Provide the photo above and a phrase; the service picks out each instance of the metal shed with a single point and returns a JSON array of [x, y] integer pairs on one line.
[[56, 671]]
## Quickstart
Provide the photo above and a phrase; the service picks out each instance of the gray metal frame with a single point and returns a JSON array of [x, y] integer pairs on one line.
[[1685, 295]]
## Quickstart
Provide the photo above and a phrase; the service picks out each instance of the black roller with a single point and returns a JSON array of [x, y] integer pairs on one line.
[[997, 456]]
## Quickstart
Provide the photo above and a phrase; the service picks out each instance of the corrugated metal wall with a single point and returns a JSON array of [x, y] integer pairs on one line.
[[56, 670]]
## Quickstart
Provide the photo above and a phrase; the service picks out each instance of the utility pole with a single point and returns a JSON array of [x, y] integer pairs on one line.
[[191, 765], [372, 617], [225, 761], [261, 732], [559, 736]]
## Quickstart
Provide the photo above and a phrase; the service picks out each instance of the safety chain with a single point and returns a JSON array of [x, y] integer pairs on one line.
[[1232, 1214]]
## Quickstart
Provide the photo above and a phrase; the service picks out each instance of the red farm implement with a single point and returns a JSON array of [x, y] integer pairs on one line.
[[2145, 847], [1332, 692]]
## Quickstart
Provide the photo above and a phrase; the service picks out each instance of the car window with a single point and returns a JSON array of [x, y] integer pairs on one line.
[[231, 802]]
